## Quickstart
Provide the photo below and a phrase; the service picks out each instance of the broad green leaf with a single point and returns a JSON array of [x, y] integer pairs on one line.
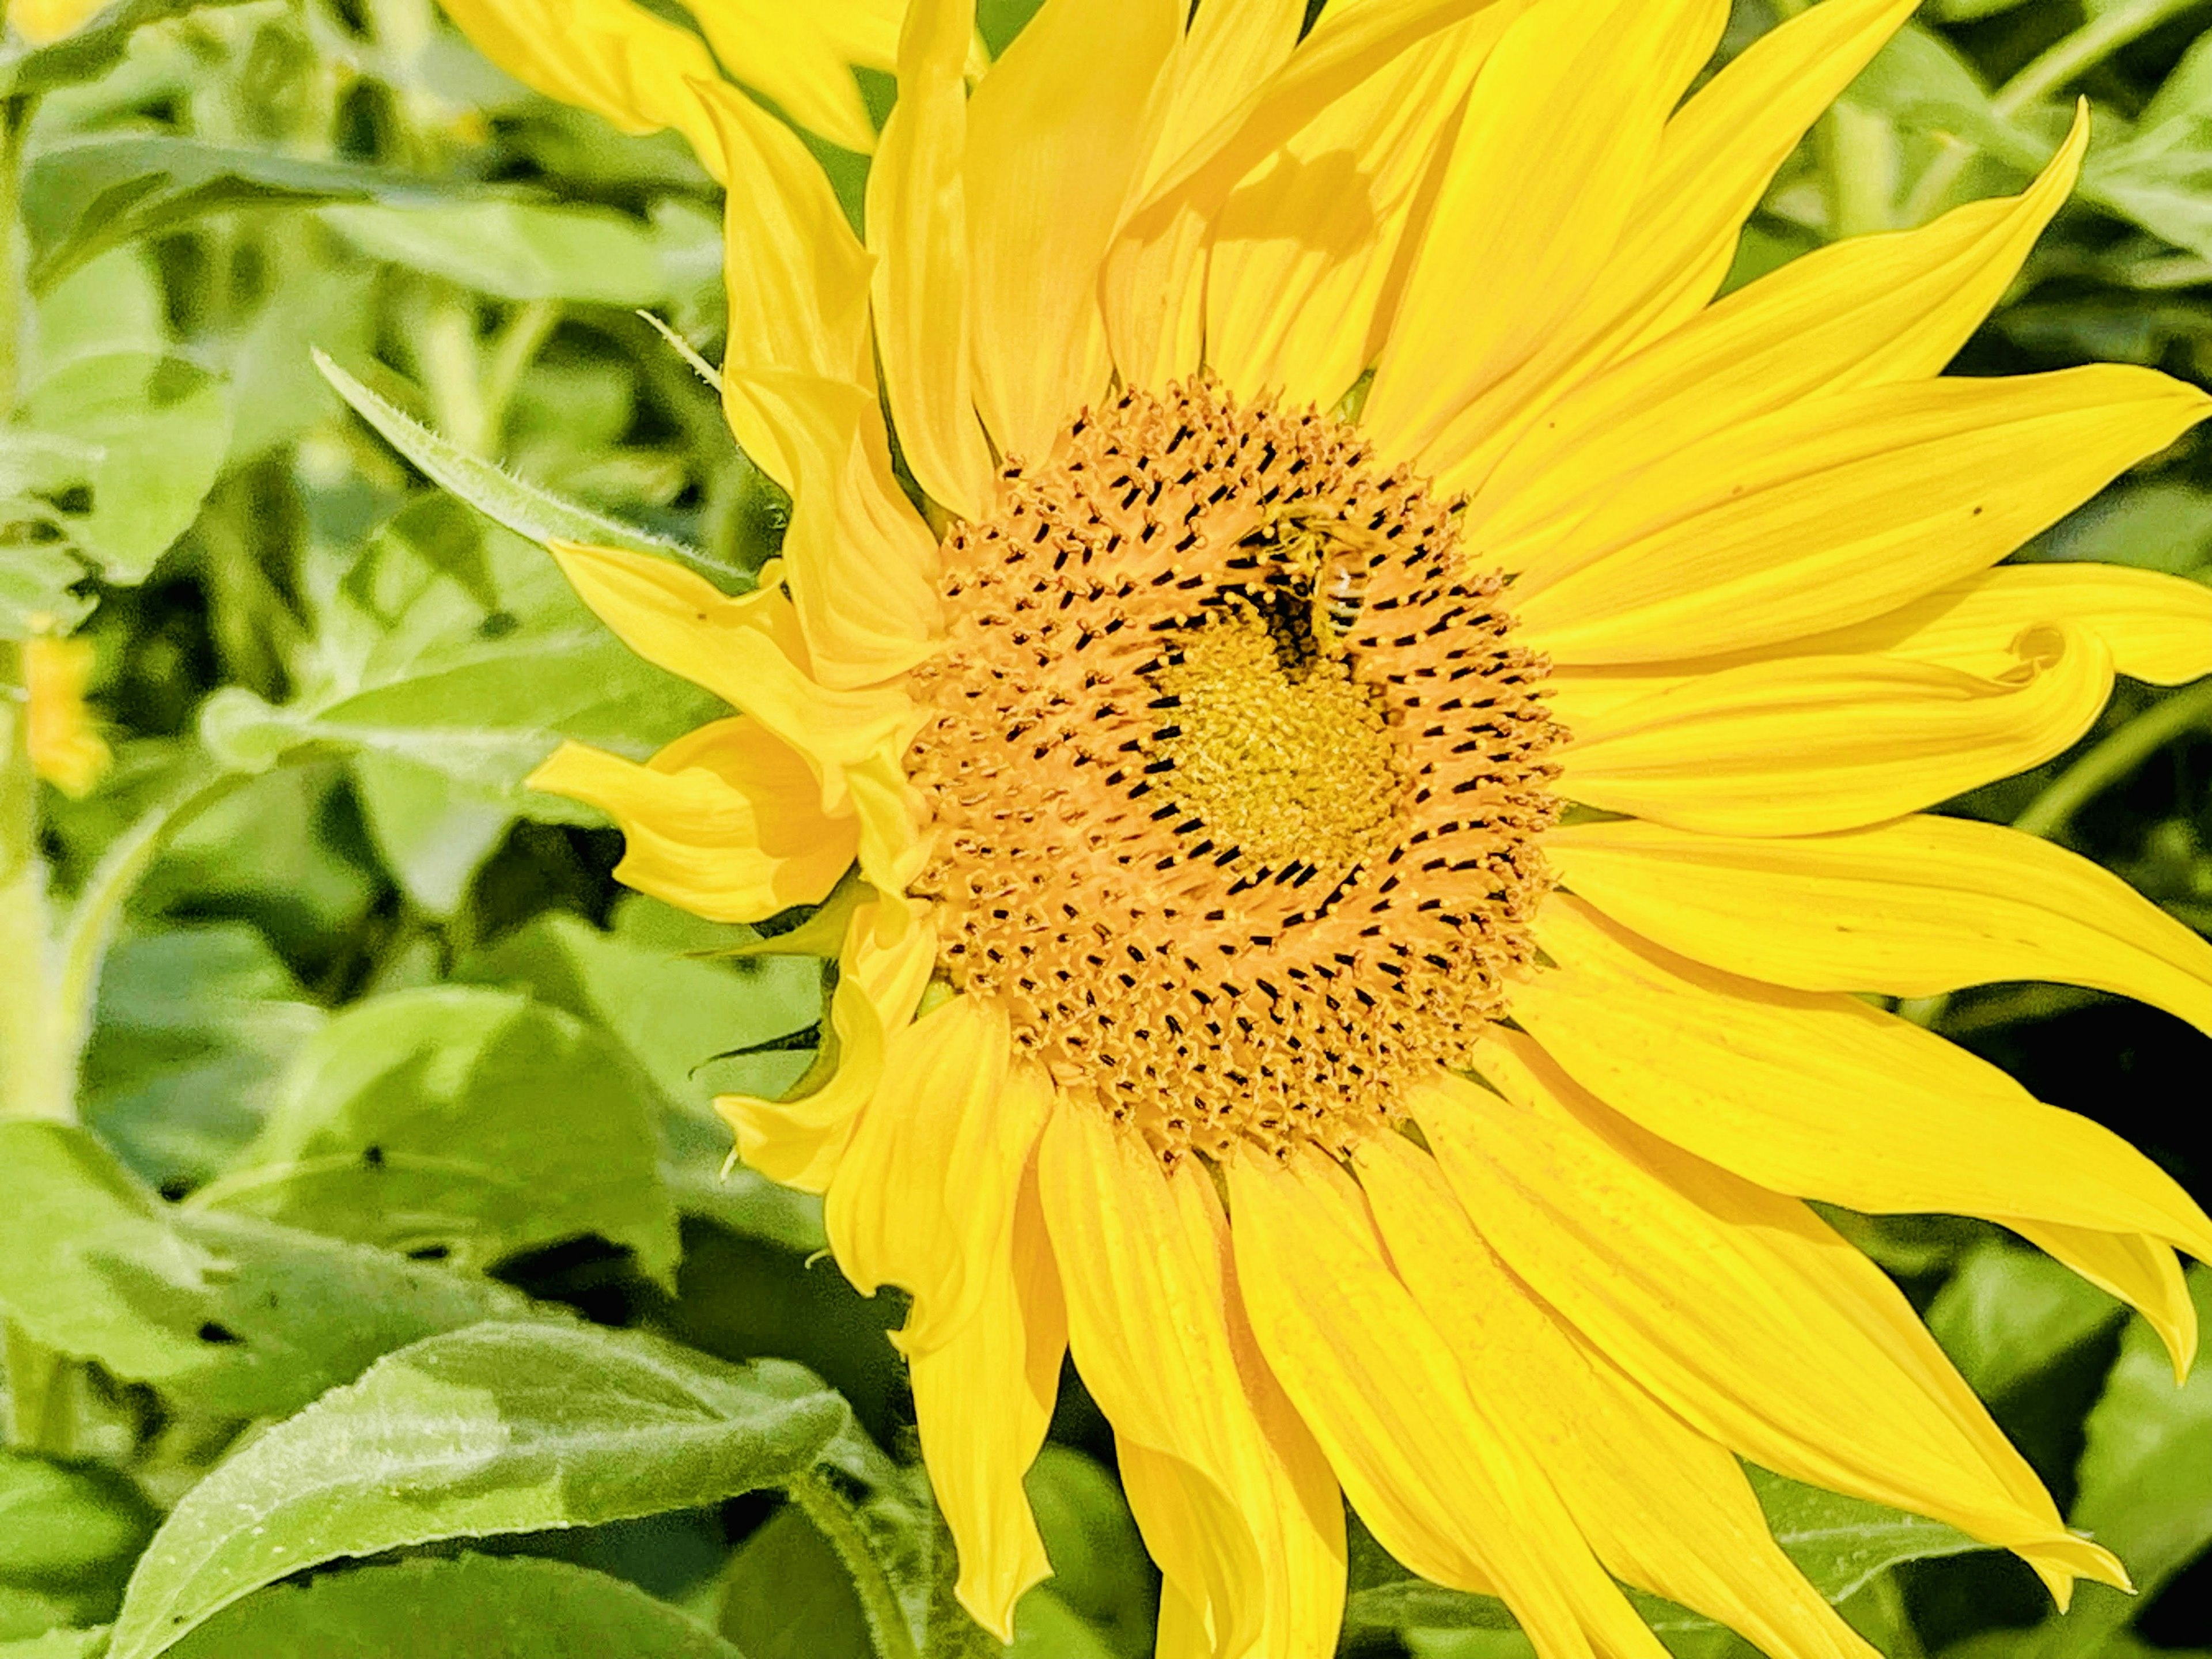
[[276, 852], [472, 1123], [58, 1644], [2161, 525], [160, 425], [673, 1016], [2159, 176], [2007, 1314], [433, 831], [1046, 1627], [193, 1028], [476, 1606], [232, 1315], [517, 250], [89, 51], [455, 645], [82, 198], [1099, 1568], [523, 507], [786, 1596], [501, 1428], [68, 1533], [1839, 1543], [2143, 1492]]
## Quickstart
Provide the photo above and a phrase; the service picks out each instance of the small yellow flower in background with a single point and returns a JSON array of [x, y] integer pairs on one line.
[[40, 21], [1402, 767], [65, 750]]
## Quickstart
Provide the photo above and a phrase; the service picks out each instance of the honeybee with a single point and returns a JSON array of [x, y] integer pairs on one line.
[[1339, 593]]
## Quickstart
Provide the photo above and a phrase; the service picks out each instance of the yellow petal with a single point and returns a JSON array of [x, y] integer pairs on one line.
[[1719, 151], [1561, 131], [982, 1402], [1055, 135], [1234, 1499], [891, 946], [746, 650], [925, 1197], [857, 557], [918, 228], [1302, 277], [1665, 1508], [64, 748], [2139, 1270], [1155, 296], [2158, 628], [1739, 1309], [615, 58], [725, 823], [1824, 1095], [1148, 285], [1445, 1486], [40, 21], [801, 56], [796, 277], [1867, 311], [1803, 745], [1838, 509], [1912, 909]]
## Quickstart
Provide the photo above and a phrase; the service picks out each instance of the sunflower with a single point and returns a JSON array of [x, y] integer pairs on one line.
[[1381, 733], [66, 748]]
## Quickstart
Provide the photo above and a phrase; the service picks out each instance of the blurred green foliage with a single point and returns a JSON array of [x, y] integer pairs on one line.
[[392, 1215]]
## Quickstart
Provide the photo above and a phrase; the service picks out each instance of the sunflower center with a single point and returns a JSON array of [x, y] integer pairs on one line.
[[1236, 776], [1272, 744]]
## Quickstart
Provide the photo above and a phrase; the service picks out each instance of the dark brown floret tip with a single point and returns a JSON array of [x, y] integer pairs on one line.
[[1237, 778]]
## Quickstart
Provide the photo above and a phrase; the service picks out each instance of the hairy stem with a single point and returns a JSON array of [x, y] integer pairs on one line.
[[887, 1625]]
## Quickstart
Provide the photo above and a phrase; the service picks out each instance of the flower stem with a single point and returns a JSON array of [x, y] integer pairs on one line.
[[2114, 758], [834, 1518]]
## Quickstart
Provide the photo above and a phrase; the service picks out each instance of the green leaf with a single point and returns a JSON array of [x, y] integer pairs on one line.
[[68, 1535], [1099, 1567], [92, 50], [501, 1428], [59, 1644], [433, 831], [672, 1015], [786, 1596], [192, 1029], [2142, 1492], [474, 1123], [234, 1316], [161, 426], [517, 250], [82, 198], [2162, 526], [477, 1607], [1841, 1544], [523, 507], [454, 645], [2007, 1314]]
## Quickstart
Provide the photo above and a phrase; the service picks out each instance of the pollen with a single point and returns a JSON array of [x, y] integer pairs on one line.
[[1236, 780]]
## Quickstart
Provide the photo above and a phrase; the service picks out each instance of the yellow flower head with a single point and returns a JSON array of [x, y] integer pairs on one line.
[[1401, 765], [65, 750]]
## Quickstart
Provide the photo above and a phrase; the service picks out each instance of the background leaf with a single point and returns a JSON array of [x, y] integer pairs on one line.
[[469, 1124], [233, 1315], [481, 1607], [500, 1428]]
